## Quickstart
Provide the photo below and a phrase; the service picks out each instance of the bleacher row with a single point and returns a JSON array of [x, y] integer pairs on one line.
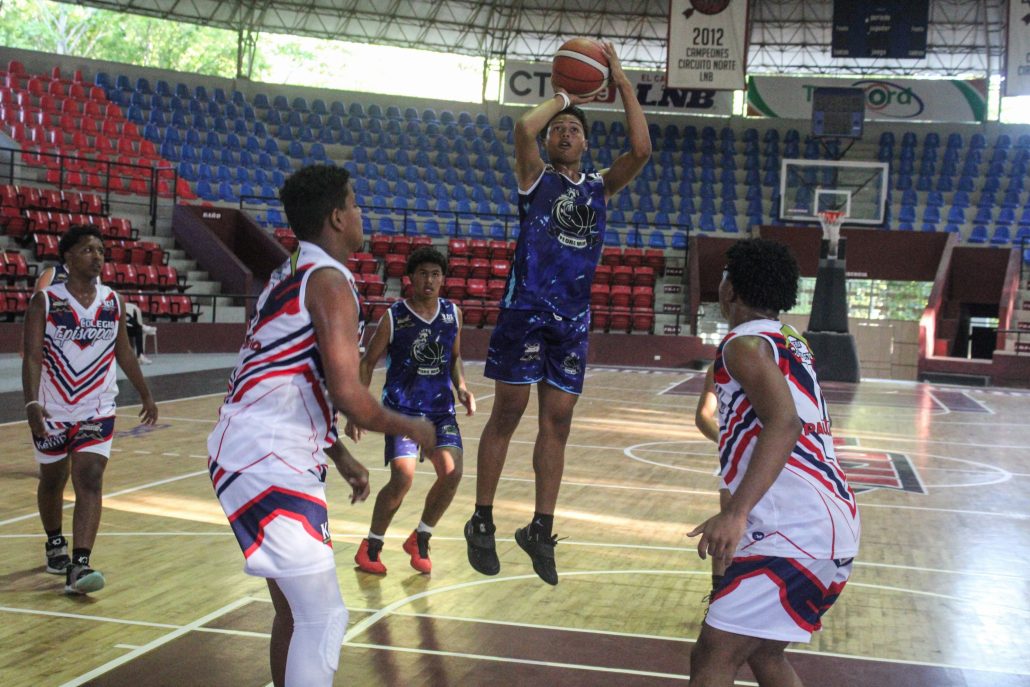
[[77, 137], [622, 295], [39, 217], [949, 187]]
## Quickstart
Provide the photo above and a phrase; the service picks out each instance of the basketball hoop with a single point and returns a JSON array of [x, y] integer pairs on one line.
[[831, 221]]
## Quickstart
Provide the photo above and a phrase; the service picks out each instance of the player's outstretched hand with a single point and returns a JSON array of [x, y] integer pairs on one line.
[[148, 413], [353, 432], [466, 399], [720, 535], [351, 470], [615, 74], [37, 415]]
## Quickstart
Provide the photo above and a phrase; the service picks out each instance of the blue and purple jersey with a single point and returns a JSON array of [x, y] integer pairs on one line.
[[418, 360], [559, 246]]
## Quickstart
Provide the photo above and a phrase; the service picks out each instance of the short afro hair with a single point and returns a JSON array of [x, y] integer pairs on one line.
[[423, 255], [572, 110], [764, 274], [310, 195], [76, 233]]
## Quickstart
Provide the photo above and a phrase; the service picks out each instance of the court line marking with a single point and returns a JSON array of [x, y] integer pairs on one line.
[[149, 485], [160, 641], [531, 662], [265, 635], [688, 550]]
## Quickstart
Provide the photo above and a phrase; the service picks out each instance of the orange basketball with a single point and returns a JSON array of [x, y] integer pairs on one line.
[[580, 67]]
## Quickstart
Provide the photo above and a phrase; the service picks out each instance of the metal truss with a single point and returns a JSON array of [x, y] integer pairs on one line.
[[966, 37]]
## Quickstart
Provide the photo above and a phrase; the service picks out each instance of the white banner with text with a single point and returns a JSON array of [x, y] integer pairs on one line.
[[529, 83], [707, 44], [1017, 49], [895, 99]]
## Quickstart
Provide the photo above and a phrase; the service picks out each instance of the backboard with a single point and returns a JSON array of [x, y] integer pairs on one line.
[[858, 189]]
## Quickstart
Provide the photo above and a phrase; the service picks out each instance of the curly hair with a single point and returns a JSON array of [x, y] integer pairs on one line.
[[76, 233], [423, 255], [310, 195], [763, 273]]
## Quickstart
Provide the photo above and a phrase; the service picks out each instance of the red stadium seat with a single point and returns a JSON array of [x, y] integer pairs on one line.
[[501, 250], [108, 275], [500, 269], [495, 289], [599, 295], [479, 248], [458, 267], [473, 313], [401, 245], [125, 274], [374, 285], [655, 259], [454, 288], [457, 248], [643, 276], [15, 268], [479, 268], [379, 245], [633, 256], [599, 318], [620, 320], [621, 296], [642, 320], [622, 275], [642, 297], [611, 256], [493, 311], [147, 277], [475, 288], [603, 275], [168, 278], [395, 265]]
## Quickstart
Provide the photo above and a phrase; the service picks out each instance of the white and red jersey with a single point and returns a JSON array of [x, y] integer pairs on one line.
[[78, 380], [277, 416], [810, 510]]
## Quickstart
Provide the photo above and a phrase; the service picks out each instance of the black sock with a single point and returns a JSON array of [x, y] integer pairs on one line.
[[541, 525], [716, 582], [81, 556], [484, 514], [50, 534]]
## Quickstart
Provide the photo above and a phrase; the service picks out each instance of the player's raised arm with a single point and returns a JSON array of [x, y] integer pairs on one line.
[[528, 162], [334, 315], [628, 165]]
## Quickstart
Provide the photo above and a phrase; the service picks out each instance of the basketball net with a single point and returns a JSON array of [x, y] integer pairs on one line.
[[831, 221]]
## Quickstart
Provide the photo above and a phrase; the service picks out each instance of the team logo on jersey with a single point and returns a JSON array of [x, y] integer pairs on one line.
[[530, 352], [574, 224], [799, 349], [403, 322], [428, 354], [869, 469], [571, 365], [58, 306], [447, 318], [449, 429]]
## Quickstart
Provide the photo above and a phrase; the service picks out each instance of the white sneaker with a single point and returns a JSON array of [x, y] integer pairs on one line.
[[144, 360]]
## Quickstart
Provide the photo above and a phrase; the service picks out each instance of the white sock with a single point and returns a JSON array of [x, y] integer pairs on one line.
[[423, 527], [373, 535]]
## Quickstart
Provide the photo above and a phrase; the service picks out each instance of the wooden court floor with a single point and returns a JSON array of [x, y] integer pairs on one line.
[[940, 595]]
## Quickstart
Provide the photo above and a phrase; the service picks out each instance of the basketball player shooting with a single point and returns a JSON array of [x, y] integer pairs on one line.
[[541, 334]]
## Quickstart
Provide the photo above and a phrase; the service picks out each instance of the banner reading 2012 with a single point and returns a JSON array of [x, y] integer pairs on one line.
[[707, 44]]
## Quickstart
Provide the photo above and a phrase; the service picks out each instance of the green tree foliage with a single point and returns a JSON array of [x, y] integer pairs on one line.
[[67, 29]]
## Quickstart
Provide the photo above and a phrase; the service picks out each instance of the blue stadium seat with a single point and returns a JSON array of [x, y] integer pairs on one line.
[[634, 239], [1002, 235], [978, 234]]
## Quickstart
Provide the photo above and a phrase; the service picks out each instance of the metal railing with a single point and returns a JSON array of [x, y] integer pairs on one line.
[[77, 172]]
